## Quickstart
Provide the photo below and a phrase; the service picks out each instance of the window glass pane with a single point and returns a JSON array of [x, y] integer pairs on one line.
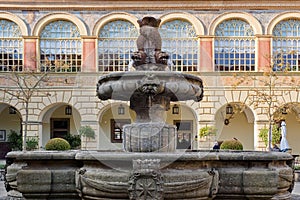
[[286, 45], [11, 47], [234, 46], [116, 44], [179, 40], [60, 47], [116, 126]]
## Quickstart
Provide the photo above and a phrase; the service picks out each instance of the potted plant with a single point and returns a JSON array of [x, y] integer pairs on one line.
[[31, 143], [87, 132], [264, 135], [207, 131]]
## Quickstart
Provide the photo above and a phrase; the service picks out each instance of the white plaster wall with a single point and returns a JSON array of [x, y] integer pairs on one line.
[[9, 122], [240, 129]]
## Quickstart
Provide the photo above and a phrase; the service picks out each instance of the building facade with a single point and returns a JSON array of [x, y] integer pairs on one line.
[[236, 47]]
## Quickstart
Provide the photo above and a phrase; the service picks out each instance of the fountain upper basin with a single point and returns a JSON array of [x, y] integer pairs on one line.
[[174, 85]]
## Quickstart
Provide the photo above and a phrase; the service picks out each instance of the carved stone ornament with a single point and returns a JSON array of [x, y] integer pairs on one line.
[[146, 182]]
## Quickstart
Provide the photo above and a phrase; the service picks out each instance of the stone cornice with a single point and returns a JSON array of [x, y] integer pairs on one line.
[[150, 5]]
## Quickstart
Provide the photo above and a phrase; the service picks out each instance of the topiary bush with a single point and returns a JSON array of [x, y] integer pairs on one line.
[[232, 145], [58, 144]]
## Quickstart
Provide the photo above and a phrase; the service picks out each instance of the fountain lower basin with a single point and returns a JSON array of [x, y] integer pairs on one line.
[[125, 175]]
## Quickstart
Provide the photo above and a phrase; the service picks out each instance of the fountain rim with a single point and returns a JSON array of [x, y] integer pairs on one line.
[[199, 155], [166, 74]]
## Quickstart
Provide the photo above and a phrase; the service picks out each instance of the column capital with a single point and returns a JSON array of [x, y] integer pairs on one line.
[[88, 37], [206, 37], [31, 37], [260, 36]]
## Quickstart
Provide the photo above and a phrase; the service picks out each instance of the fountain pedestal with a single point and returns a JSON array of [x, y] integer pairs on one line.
[[149, 137], [150, 94]]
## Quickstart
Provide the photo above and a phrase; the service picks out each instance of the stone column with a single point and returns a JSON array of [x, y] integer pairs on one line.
[[89, 54], [206, 54], [30, 53], [263, 52]]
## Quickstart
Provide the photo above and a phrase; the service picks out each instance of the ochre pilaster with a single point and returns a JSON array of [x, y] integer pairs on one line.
[[263, 52], [30, 52], [206, 54], [89, 54]]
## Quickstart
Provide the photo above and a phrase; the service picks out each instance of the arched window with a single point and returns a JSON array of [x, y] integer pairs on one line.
[[234, 46], [116, 43], [179, 40], [11, 46], [60, 47], [286, 45]]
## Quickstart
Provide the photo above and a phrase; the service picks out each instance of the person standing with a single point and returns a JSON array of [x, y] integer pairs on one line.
[[284, 146]]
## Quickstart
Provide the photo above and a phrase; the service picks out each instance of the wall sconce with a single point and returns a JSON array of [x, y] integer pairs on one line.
[[121, 110], [284, 111], [229, 109], [12, 110], [68, 110], [175, 109], [226, 122]]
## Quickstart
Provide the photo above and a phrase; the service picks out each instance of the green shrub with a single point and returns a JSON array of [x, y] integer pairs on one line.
[[207, 131], [232, 145], [31, 143], [58, 144], [264, 135], [74, 140], [15, 140]]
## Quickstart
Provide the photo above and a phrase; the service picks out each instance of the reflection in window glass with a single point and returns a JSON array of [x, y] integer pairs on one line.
[[11, 47], [60, 47], [179, 40], [234, 46], [286, 45], [116, 44]]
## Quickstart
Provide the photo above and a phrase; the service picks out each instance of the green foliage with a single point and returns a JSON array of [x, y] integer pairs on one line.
[[31, 143], [264, 135], [207, 131], [74, 140], [59, 144], [232, 145], [2, 166], [87, 131], [15, 140]]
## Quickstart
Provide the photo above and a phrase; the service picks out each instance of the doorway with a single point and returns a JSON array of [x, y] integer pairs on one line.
[[184, 134], [60, 127]]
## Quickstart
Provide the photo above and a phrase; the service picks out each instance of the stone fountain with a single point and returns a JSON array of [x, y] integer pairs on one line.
[[150, 89], [150, 168]]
